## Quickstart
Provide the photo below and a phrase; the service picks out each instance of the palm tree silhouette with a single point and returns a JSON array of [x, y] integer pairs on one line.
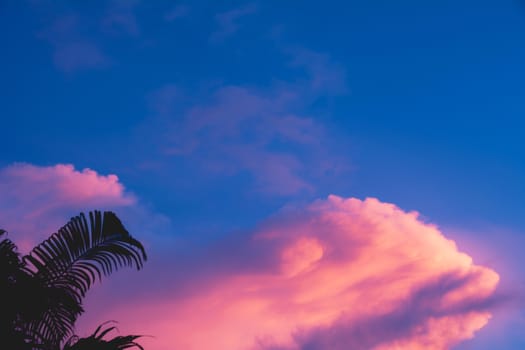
[[42, 292]]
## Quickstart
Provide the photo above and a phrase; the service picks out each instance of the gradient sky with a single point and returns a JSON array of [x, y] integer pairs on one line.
[[240, 140]]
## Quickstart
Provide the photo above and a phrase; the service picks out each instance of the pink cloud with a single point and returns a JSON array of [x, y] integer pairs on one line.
[[37, 200], [500, 248], [336, 274]]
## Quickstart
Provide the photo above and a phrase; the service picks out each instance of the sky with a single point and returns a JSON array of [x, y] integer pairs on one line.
[[304, 175]]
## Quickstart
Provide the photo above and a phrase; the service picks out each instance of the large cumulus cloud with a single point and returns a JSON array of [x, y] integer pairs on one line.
[[336, 274]]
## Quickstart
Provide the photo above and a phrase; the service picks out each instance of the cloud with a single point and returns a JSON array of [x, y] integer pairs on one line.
[[37, 200], [80, 55], [76, 38], [265, 133], [72, 51], [498, 247], [228, 22], [179, 11], [335, 274], [324, 74], [243, 129], [120, 18], [164, 100]]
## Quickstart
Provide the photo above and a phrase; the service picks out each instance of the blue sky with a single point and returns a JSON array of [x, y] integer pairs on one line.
[[218, 114]]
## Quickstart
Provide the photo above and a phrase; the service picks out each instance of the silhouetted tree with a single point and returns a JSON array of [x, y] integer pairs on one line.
[[41, 293]]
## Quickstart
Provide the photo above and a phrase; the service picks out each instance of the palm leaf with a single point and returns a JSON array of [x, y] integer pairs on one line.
[[96, 342], [10, 263], [68, 263], [9, 258], [10, 266], [15, 304]]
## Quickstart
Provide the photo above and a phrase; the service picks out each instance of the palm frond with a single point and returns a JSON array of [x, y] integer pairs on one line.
[[67, 264], [16, 303], [96, 341], [50, 314], [78, 254], [9, 257]]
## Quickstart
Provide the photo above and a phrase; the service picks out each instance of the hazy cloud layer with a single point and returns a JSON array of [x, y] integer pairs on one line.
[[262, 132]]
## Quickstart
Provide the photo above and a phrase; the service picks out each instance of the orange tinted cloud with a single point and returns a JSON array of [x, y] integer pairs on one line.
[[337, 274]]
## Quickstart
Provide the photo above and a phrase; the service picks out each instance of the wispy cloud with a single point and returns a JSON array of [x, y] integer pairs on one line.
[[179, 11], [120, 18], [80, 55], [237, 130], [336, 274], [76, 38], [72, 51], [229, 22], [264, 132], [324, 74]]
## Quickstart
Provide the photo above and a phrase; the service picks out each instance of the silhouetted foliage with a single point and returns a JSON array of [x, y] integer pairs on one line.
[[42, 292], [96, 341]]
